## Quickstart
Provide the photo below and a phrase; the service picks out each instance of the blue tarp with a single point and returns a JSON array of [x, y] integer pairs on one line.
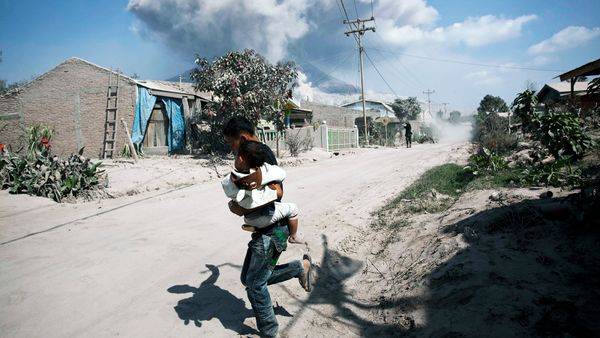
[[143, 110], [176, 135], [145, 104]]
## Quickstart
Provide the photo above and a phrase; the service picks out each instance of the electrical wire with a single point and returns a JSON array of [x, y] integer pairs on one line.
[[378, 72], [469, 63], [412, 82], [413, 78], [350, 25]]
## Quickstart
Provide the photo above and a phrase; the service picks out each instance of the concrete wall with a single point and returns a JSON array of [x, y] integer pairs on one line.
[[335, 116], [71, 99]]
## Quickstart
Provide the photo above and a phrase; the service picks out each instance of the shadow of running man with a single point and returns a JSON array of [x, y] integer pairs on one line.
[[209, 301]]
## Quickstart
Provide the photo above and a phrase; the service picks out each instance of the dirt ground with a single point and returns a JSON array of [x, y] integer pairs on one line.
[[163, 257]]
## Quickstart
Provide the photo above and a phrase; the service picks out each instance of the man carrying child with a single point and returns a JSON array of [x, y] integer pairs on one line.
[[255, 190]]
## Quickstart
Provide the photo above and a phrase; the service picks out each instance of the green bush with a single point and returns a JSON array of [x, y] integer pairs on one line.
[[48, 176], [557, 174], [491, 131], [486, 162], [561, 133]]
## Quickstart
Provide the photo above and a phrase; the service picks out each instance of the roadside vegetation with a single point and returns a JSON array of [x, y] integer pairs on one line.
[[498, 257], [548, 148], [37, 172]]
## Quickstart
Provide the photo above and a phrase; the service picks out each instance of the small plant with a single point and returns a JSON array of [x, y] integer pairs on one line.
[[558, 174], [297, 142], [126, 152], [486, 162], [38, 139]]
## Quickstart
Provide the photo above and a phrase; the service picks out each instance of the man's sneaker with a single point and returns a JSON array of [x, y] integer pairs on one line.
[[308, 278]]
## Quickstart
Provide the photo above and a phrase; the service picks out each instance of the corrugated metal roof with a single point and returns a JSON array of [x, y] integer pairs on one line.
[[184, 88], [565, 87], [385, 105]]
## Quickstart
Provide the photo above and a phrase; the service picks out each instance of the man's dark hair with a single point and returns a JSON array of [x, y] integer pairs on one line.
[[253, 152], [236, 125]]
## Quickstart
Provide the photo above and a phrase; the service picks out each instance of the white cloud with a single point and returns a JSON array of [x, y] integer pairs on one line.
[[541, 60], [406, 12], [567, 38], [209, 26], [307, 92], [483, 77], [473, 32]]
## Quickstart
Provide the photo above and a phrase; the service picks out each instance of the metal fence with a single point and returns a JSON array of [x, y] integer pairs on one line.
[[325, 137], [336, 138]]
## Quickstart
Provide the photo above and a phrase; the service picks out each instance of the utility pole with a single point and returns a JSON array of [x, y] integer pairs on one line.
[[361, 29], [428, 92], [445, 110]]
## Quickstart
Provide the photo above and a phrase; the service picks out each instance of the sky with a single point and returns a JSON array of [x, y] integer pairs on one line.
[[461, 49]]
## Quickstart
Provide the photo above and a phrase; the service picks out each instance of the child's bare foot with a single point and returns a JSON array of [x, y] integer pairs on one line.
[[295, 240]]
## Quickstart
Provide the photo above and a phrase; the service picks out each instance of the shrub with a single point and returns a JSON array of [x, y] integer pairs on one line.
[[296, 142], [557, 174], [491, 131], [48, 176], [427, 134], [561, 133], [524, 109], [486, 162]]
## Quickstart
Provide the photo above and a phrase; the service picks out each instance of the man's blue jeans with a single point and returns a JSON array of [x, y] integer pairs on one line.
[[260, 270]]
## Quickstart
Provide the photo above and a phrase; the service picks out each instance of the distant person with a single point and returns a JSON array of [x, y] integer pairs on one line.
[[408, 134], [259, 197], [266, 245]]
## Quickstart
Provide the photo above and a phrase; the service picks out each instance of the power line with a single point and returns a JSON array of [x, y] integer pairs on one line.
[[414, 82], [348, 22], [337, 65], [415, 79], [378, 72], [470, 63]]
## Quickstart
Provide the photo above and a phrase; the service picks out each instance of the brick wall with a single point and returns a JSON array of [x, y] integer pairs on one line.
[[71, 99]]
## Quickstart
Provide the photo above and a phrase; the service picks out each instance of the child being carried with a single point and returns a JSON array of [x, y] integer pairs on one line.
[[259, 197]]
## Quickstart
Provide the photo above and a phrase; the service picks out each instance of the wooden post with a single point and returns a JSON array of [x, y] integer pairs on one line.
[[187, 118], [133, 152]]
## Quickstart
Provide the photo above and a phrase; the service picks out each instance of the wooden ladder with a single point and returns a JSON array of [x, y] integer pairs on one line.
[[110, 121]]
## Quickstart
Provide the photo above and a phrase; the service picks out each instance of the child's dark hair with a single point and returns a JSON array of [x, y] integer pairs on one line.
[[236, 125], [253, 152]]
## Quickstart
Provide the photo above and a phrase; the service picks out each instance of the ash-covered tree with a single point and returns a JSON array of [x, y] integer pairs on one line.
[[454, 116], [243, 83], [408, 108], [492, 104]]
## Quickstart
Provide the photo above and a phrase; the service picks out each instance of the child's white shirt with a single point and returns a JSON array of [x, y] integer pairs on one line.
[[250, 199]]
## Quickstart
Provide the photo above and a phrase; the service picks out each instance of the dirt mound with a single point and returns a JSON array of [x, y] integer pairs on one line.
[[500, 263]]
